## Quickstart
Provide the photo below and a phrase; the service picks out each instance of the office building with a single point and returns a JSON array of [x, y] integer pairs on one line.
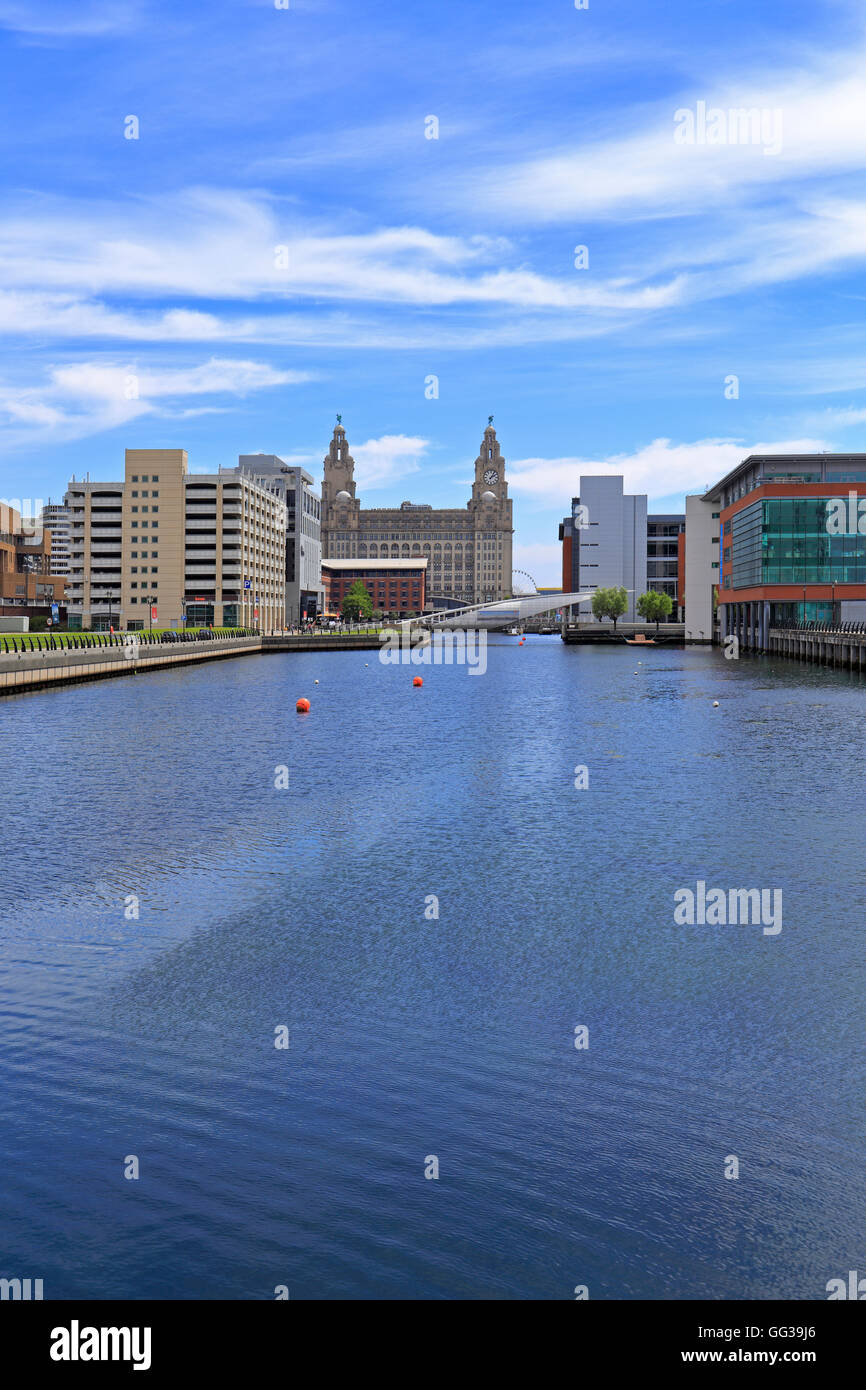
[[664, 533], [55, 518], [791, 545], [304, 591], [397, 588], [605, 542], [167, 548], [700, 573]]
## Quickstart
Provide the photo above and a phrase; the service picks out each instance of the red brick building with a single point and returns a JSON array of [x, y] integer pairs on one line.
[[27, 586], [396, 587]]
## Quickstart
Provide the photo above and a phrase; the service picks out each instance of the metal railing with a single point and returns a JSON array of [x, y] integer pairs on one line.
[[80, 641], [341, 630], [835, 629]]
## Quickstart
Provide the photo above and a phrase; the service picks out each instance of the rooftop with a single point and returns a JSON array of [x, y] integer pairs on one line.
[[779, 462], [381, 564]]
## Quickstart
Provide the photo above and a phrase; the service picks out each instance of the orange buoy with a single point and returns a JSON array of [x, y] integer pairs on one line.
[[418, 681], [303, 707]]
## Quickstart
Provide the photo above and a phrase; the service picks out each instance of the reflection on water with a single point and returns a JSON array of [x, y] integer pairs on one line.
[[153, 1034]]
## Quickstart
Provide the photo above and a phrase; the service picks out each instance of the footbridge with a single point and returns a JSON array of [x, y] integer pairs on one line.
[[505, 613]]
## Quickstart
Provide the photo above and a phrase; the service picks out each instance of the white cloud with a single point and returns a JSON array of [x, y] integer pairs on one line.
[[661, 469], [380, 462], [60, 20], [224, 246], [217, 375], [84, 398], [646, 173], [70, 272], [842, 418]]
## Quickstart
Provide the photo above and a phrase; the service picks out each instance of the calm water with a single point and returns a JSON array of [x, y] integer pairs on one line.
[[412, 1037]]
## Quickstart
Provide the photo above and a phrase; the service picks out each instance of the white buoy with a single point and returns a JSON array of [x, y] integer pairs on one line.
[[315, 682], [715, 704]]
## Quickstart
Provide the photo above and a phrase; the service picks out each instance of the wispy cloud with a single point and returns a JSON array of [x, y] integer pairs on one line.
[[660, 469], [223, 246], [645, 172], [80, 399], [380, 462], [55, 19]]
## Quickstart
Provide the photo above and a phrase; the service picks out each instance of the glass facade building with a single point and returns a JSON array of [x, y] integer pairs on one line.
[[785, 540], [791, 550]]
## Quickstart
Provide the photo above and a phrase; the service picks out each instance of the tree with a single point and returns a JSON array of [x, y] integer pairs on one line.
[[654, 606], [357, 604], [609, 603]]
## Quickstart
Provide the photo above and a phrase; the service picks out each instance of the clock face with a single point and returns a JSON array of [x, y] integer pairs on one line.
[[491, 476]]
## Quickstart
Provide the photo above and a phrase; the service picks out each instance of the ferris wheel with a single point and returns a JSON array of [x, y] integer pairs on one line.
[[515, 588]]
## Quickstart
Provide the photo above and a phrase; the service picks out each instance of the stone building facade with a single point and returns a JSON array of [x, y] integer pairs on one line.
[[468, 549]]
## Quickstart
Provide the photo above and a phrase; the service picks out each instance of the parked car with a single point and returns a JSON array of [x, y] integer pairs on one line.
[[204, 635], [169, 637]]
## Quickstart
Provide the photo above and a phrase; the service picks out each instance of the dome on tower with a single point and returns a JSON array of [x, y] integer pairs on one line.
[[343, 496], [488, 497]]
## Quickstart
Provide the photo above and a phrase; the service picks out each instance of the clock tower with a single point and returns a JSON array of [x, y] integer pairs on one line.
[[490, 507], [490, 469], [340, 506]]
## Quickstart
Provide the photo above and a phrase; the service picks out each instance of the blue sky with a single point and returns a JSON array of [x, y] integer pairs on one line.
[[154, 260]]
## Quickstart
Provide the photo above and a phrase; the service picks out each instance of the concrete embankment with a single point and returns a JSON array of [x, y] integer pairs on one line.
[[589, 634], [354, 642], [839, 648], [34, 670], [22, 671]]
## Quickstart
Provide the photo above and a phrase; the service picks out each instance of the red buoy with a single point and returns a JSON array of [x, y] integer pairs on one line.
[[417, 681], [303, 707]]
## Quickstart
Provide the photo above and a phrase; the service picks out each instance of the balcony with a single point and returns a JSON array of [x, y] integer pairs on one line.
[[197, 524]]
